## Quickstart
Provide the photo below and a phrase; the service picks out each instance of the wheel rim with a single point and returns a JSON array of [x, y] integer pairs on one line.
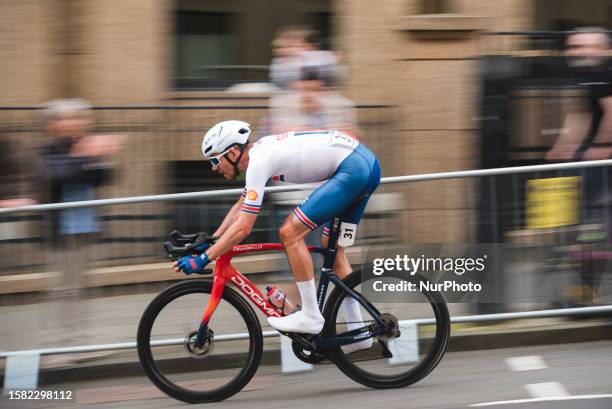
[[416, 351], [214, 375]]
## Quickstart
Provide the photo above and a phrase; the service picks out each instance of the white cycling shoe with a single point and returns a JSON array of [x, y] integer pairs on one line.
[[298, 322], [357, 346]]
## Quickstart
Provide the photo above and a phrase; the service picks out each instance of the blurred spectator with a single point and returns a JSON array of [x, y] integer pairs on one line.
[[312, 103], [72, 165], [295, 47], [588, 136]]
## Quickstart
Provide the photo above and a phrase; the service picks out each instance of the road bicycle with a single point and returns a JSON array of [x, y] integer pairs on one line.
[[200, 357]]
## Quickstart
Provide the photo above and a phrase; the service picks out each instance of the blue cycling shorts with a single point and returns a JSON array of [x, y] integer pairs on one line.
[[345, 194]]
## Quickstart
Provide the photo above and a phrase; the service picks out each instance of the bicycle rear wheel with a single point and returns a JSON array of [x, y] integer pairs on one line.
[[218, 370], [424, 329]]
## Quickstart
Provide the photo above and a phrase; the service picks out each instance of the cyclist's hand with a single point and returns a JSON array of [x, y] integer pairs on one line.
[[192, 264]]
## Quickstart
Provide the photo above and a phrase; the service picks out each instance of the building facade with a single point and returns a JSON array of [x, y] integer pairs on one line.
[[419, 56]]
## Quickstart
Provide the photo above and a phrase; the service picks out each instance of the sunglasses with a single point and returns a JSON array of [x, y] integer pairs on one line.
[[216, 160]]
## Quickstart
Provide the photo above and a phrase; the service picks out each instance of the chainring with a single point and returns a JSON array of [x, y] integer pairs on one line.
[[308, 356]]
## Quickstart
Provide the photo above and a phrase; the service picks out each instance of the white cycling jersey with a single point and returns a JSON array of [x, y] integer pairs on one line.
[[294, 157]]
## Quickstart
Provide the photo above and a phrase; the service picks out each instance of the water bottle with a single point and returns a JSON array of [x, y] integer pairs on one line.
[[279, 300]]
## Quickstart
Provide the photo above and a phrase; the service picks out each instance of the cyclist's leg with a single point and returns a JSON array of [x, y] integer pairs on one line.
[[292, 233], [352, 181], [342, 268], [309, 319], [352, 214]]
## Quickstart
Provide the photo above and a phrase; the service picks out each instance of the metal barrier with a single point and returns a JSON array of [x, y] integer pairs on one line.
[[308, 186]]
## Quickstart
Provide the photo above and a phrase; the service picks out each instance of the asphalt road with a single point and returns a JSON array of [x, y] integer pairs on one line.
[[542, 377]]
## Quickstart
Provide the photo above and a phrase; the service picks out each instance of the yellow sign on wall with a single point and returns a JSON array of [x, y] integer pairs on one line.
[[553, 202]]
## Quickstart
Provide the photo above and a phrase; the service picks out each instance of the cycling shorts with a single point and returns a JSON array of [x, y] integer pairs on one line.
[[345, 194]]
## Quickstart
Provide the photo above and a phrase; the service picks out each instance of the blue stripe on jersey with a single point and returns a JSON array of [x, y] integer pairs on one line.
[[310, 133]]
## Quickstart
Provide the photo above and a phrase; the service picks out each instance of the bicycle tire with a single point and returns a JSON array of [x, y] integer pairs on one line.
[[418, 372], [172, 389]]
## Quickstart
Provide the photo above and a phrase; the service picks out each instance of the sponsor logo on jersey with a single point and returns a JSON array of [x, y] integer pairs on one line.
[[252, 195]]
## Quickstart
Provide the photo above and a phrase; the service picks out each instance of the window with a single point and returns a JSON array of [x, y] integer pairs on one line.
[[219, 44], [205, 46], [433, 6]]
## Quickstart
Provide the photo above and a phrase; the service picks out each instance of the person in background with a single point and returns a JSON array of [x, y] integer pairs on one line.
[[72, 165], [297, 46], [587, 135], [312, 103]]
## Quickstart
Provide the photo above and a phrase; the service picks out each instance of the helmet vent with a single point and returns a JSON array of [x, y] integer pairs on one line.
[[207, 149], [243, 131]]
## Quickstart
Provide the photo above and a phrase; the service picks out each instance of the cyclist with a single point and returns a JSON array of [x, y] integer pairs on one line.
[[351, 172]]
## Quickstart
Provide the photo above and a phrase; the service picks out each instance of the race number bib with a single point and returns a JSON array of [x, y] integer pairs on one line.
[[346, 238]]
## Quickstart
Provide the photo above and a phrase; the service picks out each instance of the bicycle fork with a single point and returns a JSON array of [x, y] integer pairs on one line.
[[213, 303]]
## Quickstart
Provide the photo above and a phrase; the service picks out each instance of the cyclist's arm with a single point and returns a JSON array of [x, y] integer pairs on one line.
[[229, 218], [240, 226], [234, 234]]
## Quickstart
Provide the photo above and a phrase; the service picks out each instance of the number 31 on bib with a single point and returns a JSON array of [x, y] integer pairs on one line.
[[346, 238]]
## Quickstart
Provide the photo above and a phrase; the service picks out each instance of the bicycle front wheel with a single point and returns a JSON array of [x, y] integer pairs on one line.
[[419, 333], [222, 367]]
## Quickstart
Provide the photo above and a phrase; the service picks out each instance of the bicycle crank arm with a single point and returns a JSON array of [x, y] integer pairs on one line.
[[303, 341]]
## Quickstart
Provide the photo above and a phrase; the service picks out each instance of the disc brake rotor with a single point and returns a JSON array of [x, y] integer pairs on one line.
[[205, 350]]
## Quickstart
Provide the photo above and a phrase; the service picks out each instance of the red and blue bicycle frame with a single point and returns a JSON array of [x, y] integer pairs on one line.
[[224, 272]]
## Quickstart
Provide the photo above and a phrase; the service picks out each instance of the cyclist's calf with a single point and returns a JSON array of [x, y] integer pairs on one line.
[[292, 234], [342, 267]]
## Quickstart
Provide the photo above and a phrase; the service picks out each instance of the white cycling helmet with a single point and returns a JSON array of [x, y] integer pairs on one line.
[[223, 136]]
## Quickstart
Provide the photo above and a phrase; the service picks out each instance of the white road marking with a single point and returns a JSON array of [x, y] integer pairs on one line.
[[546, 390], [510, 402], [526, 363]]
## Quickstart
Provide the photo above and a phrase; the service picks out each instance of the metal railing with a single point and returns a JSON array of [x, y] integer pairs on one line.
[[308, 186]]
